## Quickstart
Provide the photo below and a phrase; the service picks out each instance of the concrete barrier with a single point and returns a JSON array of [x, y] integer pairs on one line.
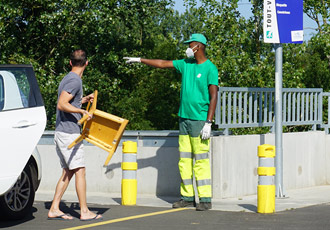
[[234, 160]]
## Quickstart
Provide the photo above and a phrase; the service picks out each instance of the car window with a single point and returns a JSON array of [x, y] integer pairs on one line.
[[18, 89], [23, 86]]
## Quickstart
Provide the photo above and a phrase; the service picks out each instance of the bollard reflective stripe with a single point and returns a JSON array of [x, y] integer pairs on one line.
[[129, 157], [129, 177], [266, 162], [266, 180]]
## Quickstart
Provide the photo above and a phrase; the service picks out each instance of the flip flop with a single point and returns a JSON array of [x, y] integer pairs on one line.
[[94, 218], [60, 217]]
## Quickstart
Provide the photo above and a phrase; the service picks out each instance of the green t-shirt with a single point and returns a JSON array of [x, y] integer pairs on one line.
[[194, 95]]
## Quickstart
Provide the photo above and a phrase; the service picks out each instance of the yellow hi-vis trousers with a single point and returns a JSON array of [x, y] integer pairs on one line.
[[191, 148]]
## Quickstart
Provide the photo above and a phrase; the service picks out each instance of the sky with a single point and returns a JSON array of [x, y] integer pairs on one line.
[[244, 6]]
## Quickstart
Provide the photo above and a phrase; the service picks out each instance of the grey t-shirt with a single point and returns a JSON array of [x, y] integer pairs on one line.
[[67, 122]]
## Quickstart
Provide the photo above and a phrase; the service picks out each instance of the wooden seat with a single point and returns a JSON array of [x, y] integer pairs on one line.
[[103, 129]]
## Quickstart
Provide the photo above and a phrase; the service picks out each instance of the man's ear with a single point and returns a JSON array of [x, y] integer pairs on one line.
[[86, 63], [70, 63]]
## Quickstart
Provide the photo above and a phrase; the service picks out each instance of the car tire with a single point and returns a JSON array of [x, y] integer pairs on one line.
[[17, 202]]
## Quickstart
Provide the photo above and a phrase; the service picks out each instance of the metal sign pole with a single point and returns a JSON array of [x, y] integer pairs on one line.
[[278, 120], [283, 23]]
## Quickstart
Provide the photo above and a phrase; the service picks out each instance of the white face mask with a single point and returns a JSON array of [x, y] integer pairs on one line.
[[190, 52]]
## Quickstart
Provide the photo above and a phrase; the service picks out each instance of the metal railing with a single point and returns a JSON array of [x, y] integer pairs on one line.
[[255, 107], [325, 124]]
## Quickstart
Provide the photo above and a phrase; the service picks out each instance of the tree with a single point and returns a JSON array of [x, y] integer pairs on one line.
[[44, 33]]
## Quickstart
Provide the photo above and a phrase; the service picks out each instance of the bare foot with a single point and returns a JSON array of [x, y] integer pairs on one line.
[[90, 216], [59, 215]]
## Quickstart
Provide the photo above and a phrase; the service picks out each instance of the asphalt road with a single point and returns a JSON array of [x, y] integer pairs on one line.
[[117, 217]]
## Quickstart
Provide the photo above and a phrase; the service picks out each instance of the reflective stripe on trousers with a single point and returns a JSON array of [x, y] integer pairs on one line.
[[189, 148]]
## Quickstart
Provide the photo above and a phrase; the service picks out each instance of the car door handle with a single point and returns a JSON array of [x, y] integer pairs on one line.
[[24, 124]]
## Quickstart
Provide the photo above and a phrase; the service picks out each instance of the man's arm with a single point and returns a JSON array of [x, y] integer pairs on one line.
[[206, 130], [158, 63], [213, 91], [64, 105]]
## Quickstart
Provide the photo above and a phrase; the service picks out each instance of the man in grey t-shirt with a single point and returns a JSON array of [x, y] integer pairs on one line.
[[68, 113], [67, 122]]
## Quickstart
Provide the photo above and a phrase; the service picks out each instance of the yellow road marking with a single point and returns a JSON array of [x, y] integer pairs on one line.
[[124, 219]]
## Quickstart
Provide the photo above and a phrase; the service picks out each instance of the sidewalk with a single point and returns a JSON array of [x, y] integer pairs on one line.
[[294, 199]]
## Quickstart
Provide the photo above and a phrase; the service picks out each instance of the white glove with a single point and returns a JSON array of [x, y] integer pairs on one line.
[[206, 131], [131, 60]]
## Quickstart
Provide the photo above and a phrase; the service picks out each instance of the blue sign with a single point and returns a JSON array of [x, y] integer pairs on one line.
[[283, 21]]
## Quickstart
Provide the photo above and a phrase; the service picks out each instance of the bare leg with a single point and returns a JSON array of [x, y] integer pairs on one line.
[[85, 213], [61, 186]]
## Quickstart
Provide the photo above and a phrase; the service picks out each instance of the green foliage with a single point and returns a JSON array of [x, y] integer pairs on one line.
[[246, 131], [44, 33]]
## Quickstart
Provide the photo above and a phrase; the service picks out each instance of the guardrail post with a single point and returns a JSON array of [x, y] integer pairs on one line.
[[266, 185], [129, 167]]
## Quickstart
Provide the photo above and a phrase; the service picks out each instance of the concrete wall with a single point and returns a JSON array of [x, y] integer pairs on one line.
[[157, 174], [306, 158], [235, 162]]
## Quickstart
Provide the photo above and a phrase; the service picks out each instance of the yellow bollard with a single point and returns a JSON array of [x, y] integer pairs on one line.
[[266, 184], [129, 167]]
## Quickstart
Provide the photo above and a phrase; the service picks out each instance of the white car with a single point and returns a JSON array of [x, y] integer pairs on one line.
[[22, 122]]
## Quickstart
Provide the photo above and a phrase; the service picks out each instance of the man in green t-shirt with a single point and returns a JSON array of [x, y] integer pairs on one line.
[[198, 99]]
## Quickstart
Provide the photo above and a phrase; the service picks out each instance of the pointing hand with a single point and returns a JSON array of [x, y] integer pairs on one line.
[[131, 60]]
